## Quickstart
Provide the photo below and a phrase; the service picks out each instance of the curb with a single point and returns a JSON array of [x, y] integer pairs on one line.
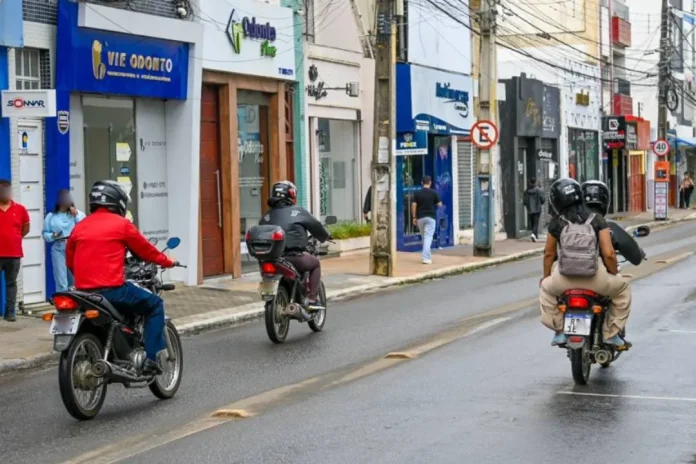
[[240, 315]]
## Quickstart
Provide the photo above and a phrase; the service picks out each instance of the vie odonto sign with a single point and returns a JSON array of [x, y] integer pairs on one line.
[[28, 103]]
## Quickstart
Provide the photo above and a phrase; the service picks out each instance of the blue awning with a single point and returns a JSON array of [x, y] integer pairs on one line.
[[676, 141]]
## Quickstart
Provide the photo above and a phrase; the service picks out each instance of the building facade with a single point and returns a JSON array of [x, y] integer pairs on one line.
[[246, 131], [339, 102]]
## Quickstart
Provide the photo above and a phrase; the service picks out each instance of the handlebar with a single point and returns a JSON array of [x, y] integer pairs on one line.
[[178, 264]]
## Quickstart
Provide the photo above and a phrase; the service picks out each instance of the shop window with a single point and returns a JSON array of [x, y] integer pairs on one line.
[[109, 144], [337, 169], [584, 155], [254, 162], [28, 69]]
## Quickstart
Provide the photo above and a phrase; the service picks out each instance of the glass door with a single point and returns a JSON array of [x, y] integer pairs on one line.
[[109, 145]]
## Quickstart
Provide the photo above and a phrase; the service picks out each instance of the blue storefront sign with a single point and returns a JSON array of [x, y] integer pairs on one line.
[[11, 24], [412, 143], [91, 60]]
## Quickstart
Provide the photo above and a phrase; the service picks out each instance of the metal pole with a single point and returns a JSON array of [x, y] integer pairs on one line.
[[382, 239], [661, 188], [484, 202]]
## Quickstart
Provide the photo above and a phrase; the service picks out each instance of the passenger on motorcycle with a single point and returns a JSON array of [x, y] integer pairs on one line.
[[565, 197], [596, 196], [96, 255], [296, 222]]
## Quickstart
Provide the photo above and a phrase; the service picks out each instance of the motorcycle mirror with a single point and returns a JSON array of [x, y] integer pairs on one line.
[[642, 231], [331, 220], [173, 242], [153, 240]]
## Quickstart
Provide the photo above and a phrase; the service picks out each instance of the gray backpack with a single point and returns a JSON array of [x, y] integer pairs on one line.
[[578, 250]]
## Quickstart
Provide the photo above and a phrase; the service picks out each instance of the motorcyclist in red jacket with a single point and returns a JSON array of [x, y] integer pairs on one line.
[[96, 256]]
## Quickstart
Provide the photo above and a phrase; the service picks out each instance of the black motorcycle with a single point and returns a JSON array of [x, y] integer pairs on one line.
[[584, 312], [99, 345], [283, 288]]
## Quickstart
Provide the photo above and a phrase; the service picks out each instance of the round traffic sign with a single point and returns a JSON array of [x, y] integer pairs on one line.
[[484, 134], [661, 147]]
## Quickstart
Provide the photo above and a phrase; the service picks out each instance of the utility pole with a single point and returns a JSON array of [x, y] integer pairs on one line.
[[484, 202], [383, 237], [663, 81]]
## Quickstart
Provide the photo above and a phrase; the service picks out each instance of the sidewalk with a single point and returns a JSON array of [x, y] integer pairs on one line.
[[631, 220], [225, 302]]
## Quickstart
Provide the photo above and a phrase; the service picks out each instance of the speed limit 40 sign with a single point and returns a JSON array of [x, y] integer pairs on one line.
[[661, 148]]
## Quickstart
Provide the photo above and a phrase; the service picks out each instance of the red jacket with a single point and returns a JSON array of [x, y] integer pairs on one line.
[[96, 250]]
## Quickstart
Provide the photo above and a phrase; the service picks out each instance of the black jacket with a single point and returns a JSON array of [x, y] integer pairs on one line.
[[296, 222]]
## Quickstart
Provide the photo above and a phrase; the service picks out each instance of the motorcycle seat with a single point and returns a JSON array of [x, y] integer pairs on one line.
[[97, 299]]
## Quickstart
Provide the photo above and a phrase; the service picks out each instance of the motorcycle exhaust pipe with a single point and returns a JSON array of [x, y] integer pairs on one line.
[[296, 311], [602, 356], [103, 368]]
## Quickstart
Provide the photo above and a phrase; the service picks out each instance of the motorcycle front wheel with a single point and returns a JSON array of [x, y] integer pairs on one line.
[[319, 318], [167, 383], [83, 395], [581, 365], [277, 322]]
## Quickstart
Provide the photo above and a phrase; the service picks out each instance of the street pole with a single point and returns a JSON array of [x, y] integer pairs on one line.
[[484, 202], [661, 184], [382, 239]]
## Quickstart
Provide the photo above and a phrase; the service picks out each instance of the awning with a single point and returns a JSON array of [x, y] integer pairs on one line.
[[677, 141]]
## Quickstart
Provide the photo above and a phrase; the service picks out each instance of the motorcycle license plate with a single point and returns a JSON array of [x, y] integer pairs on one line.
[[578, 324], [65, 324], [268, 288]]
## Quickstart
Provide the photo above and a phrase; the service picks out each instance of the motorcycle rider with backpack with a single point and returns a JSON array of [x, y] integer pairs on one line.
[[296, 222], [579, 254]]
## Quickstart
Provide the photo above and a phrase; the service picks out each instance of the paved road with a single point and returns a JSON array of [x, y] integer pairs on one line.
[[503, 380]]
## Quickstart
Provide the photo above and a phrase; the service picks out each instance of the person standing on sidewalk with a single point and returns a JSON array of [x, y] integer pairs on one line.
[[533, 199], [14, 226], [423, 210], [58, 226], [367, 205]]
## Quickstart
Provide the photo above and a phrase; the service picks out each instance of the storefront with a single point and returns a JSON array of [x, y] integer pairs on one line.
[[638, 145], [529, 141], [582, 125], [124, 114], [340, 141], [615, 161], [246, 132], [433, 107]]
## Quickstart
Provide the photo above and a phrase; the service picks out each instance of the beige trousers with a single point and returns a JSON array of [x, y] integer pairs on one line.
[[616, 287]]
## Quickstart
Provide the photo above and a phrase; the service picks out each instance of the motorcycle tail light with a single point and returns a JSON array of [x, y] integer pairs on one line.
[[268, 268], [597, 309], [65, 303], [578, 302], [575, 339], [278, 235], [247, 237]]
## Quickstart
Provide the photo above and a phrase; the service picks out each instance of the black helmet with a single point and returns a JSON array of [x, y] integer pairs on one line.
[[284, 190], [596, 195], [564, 193], [108, 194]]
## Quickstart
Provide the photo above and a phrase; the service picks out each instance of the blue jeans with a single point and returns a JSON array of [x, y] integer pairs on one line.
[[427, 230], [61, 274], [130, 300]]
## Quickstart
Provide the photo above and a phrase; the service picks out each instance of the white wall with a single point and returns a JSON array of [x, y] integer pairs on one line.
[[435, 39]]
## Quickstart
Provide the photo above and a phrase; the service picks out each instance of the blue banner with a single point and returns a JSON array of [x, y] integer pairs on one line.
[[91, 60], [11, 24], [412, 143]]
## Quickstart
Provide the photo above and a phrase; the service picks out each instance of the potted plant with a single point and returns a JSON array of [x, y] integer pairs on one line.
[[349, 236]]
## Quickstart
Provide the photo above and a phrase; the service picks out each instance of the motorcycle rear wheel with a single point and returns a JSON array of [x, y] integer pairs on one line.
[[166, 389], [580, 365], [319, 319], [74, 377], [277, 323]]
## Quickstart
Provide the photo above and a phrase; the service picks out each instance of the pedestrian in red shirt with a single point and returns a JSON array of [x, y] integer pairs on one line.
[[96, 256], [14, 225]]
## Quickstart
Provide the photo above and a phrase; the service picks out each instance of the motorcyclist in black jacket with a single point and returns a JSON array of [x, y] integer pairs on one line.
[[296, 222]]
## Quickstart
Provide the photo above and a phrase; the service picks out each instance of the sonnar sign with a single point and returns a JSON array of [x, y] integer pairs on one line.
[[28, 103]]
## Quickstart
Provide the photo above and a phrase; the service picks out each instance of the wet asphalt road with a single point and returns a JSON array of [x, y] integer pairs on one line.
[[485, 398]]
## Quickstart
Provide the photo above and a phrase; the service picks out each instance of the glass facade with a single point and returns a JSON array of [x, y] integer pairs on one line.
[[109, 144], [338, 189], [583, 152]]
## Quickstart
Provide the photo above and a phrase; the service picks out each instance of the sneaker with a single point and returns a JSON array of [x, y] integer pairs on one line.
[[10, 318], [152, 367], [615, 340], [559, 339], [427, 261], [534, 238]]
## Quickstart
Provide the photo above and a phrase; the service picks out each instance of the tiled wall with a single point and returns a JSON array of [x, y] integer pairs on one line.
[[45, 11]]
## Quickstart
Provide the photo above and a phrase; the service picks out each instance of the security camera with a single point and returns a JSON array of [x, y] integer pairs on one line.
[[181, 10]]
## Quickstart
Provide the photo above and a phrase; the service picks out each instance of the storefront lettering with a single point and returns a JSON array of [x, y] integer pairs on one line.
[[267, 49], [248, 28], [533, 112], [582, 99], [132, 61], [545, 154], [460, 98], [250, 147]]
